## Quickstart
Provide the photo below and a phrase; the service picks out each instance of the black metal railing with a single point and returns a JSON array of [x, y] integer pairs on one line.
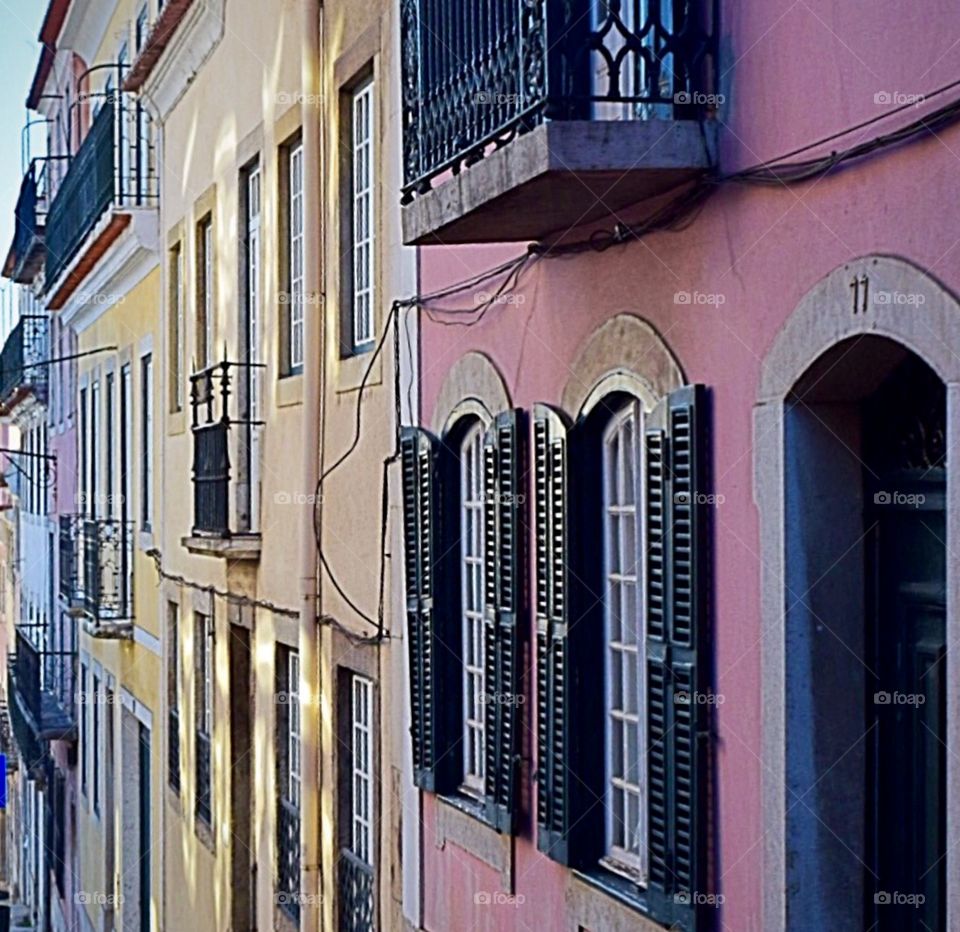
[[23, 356], [204, 799], [356, 889], [112, 166], [70, 542], [173, 749], [477, 73], [32, 750], [29, 219], [214, 401], [27, 674], [288, 857], [106, 568]]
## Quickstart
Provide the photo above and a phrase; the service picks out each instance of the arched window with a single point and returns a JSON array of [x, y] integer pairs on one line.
[[471, 606], [624, 635]]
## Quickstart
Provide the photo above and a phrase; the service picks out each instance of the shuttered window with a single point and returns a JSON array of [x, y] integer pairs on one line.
[[653, 575], [463, 546]]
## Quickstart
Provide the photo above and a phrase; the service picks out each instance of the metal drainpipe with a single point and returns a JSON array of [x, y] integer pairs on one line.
[[311, 871]]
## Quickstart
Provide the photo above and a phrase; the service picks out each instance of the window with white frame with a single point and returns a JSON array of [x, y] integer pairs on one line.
[[295, 256], [146, 441], [95, 743], [176, 328], [93, 439], [471, 578], [361, 199], [361, 755], [293, 727], [205, 292], [624, 640], [203, 706], [84, 697]]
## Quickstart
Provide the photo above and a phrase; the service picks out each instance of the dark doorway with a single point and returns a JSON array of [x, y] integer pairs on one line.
[[904, 443], [242, 862], [865, 721]]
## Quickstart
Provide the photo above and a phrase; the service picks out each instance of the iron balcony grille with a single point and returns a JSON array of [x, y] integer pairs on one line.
[[173, 750], [32, 751], [477, 73], [213, 401], [29, 218], [112, 167], [23, 356], [27, 674], [42, 684], [106, 568], [70, 539], [356, 893], [288, 858], [204, 808]]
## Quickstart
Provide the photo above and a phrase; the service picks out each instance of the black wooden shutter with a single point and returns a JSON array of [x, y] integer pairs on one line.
[[421, 500], [551, 511], [503, 573], [676, 588]]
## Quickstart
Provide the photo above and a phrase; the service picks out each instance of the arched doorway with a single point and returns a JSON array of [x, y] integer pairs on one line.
[[864, 432]]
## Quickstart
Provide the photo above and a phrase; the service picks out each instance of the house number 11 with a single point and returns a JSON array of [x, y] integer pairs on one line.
[[860, 287]]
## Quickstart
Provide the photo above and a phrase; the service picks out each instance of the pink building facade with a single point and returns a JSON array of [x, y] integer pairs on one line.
[[818, 312]]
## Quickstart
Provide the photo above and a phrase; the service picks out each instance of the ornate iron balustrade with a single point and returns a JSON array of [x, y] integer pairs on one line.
[[23, 356], [112, 167], [29, 218], [204, 804], [288, 858], [356, 893], [106, 586], [173, 750], [211, 398], [479, 72], [39, 692]]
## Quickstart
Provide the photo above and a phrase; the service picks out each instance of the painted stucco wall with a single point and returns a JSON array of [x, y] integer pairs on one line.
[[718, 293]]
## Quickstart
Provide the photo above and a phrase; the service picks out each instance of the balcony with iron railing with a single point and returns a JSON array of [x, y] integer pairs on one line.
[[225, 433], [96, 572], [111, 176], [41, 697], [23, 369], [523, 118], [356, 887], [27, 253]]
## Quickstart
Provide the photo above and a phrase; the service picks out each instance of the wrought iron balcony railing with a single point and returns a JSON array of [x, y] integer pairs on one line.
[[222, 493], [27, 253], [288, 857], [112, 167], [43, 696], [356, 893], [23, 358], [96, 569], [478, 73]]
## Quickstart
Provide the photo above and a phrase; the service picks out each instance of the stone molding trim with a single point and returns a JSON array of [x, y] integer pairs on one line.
[[473, 386], [625, 353], [476, 838], [873, 295]]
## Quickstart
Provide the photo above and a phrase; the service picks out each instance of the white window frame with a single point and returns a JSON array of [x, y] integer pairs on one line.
[[146, 442], [206, 271], [176, 271], [362, 194], [84, 697], [95, 742], [296, 256], [205, 719], [472, 609], [293, 727], [361, 756], [625, 775]]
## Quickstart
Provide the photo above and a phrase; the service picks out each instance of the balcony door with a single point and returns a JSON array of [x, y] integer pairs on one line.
[[252, 339]]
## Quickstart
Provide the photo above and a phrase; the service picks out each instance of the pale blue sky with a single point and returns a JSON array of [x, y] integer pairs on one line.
[[19, 52]]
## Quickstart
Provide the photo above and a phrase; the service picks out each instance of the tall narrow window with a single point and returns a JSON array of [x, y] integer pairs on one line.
[[109, 453], [471, 575], [361, 199], [95, 743], [204, 713], [176, 328], [126, 441], [93, 485], [288, 777], [173, 696], [84, 697], [361, 756], [624, 634], [293, 723], [205, 293], [295, 256], [146, 441]]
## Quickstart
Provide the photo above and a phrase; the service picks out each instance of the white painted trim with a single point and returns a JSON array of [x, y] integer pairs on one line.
[[145, 639], [132, 704]]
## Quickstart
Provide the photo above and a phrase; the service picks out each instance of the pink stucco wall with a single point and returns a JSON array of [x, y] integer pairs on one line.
[[793, 73]]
